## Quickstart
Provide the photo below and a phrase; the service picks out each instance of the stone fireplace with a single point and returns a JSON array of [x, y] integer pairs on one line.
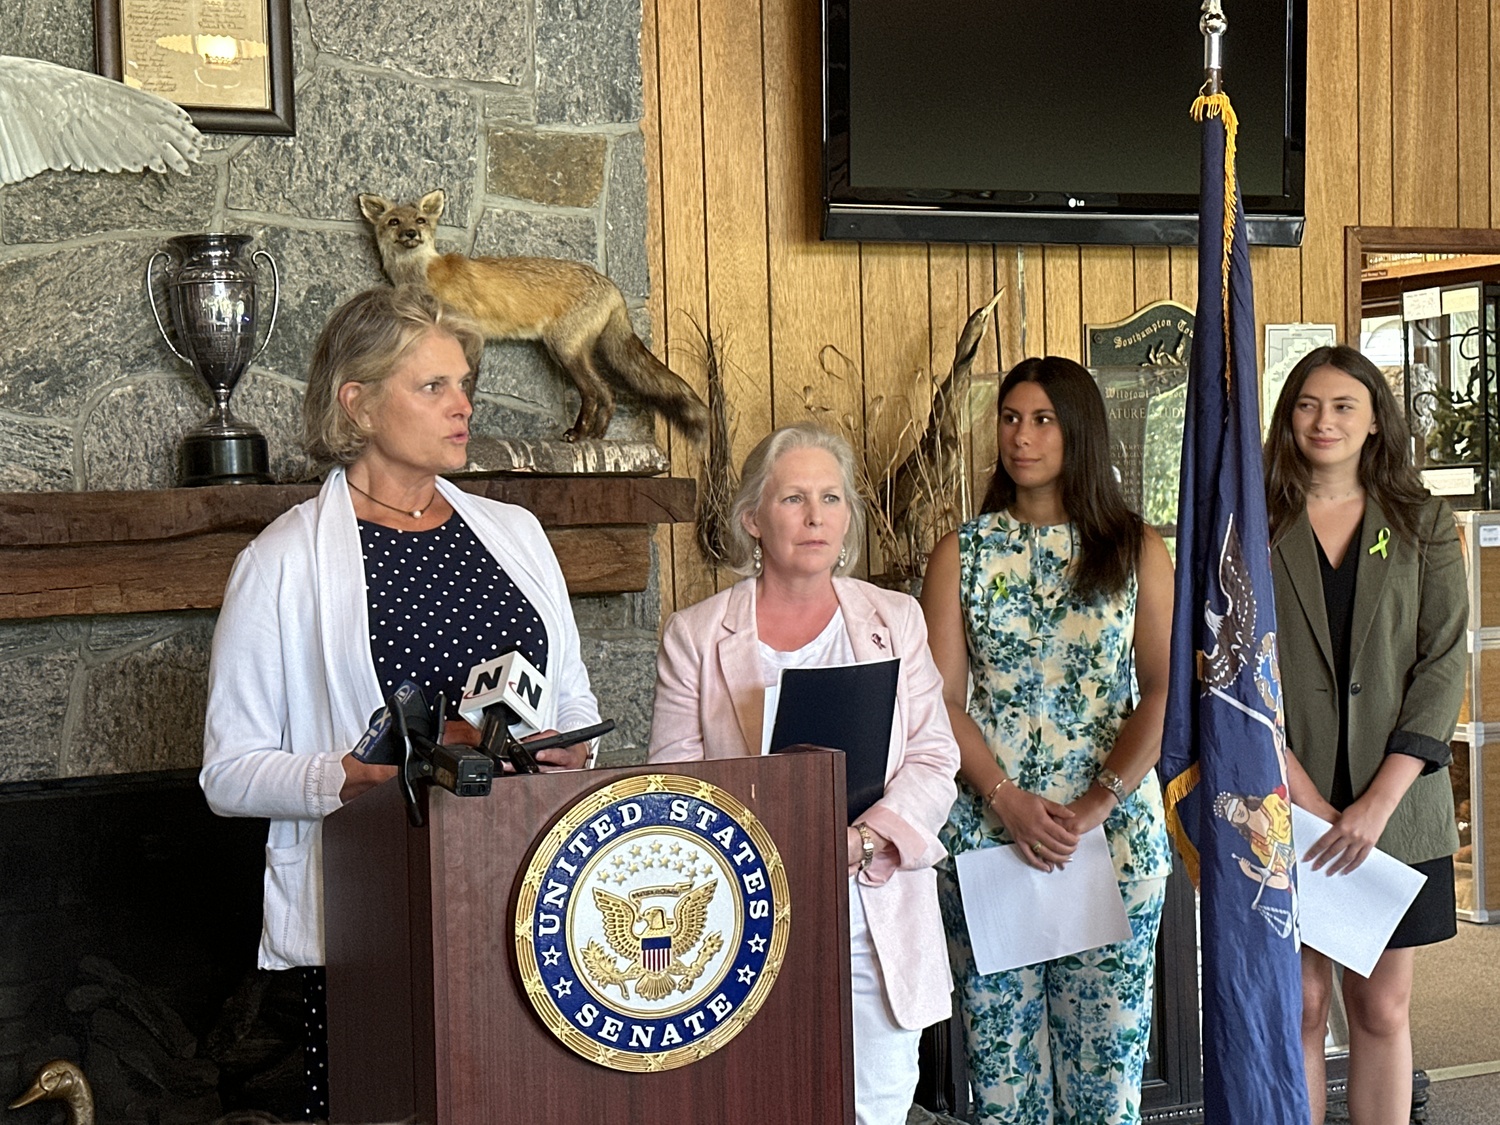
[[129, 916]]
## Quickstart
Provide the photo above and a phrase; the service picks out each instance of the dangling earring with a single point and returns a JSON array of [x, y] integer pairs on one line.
[[755, 558], [843, 557]]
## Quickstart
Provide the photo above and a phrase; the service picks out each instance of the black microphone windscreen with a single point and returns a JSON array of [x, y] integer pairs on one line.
[[413, 706]]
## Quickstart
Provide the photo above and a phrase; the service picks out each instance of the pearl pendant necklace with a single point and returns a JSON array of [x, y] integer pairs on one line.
[[414, 513]]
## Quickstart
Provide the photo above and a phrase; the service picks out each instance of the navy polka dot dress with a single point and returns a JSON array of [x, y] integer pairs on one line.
[[439, 604]]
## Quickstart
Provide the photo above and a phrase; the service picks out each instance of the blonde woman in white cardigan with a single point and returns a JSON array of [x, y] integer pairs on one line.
[[390, 573]]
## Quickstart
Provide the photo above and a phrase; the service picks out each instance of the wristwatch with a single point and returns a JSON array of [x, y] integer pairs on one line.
[[1108, 779], [866, 846]]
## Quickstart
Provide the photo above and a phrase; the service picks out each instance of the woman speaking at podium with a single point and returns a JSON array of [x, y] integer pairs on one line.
[[390, 574], [795, 524]]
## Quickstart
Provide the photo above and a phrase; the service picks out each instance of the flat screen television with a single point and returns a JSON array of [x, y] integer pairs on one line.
[[1054, 121]]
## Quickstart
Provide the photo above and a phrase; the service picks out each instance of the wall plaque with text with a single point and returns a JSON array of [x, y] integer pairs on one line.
[[1140, 364]]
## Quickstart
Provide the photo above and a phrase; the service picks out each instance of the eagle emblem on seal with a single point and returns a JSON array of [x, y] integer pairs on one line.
[[652, 942]]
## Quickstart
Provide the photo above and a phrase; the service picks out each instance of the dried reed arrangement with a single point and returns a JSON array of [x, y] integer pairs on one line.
[[916, 499], [717, 479], [874, 466]]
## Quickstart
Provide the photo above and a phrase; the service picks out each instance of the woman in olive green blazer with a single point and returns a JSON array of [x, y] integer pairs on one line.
[[1371, 607], [1406, 671]]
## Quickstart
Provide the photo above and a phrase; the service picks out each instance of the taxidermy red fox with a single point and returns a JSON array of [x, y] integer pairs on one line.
[[573, 309]]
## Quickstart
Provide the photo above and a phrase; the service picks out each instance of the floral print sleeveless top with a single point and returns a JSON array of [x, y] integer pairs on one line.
[[1052, 683]]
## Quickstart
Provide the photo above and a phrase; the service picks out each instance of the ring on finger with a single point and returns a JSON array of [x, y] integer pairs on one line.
[[1036, 847]]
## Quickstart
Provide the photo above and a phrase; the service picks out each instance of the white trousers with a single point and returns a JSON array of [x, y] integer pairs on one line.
[[885, 1054]]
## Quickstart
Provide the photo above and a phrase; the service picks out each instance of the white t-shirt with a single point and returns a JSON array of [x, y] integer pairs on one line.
[[830, 647]]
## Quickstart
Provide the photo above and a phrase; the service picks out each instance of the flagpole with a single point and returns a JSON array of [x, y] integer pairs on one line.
[[1223, 740], [1213, 24]]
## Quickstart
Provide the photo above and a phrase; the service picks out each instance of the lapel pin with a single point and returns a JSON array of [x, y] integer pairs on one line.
[[879, 643], [1382, 541]]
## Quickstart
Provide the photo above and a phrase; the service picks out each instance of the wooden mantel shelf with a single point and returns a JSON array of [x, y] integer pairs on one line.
[[82, 553]]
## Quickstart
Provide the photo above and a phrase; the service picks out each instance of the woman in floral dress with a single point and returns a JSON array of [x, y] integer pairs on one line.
[[1058, 602]]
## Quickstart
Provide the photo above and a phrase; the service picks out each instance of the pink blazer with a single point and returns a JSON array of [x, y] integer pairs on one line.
[[709, 703]]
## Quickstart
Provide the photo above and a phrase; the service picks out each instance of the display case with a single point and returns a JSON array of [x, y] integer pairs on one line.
[[1448, 384], [1476, 746]]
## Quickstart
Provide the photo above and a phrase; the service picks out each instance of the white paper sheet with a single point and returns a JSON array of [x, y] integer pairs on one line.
[[1350, 917], [1019, 916], [768, 716]]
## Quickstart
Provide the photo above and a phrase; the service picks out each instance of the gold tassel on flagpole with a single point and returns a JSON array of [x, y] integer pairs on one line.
[[1214, 104], [1217, 105]]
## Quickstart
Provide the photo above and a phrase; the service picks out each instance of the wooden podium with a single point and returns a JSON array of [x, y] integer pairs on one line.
[[427, 1013]]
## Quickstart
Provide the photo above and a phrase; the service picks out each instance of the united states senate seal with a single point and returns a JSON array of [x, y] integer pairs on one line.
[[651, 922]]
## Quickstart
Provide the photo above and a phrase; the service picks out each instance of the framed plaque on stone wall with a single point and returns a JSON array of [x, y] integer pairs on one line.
[[227, 62], [1140, 364]]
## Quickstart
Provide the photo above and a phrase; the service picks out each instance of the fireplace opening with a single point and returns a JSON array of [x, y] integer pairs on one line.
[[129, 917]]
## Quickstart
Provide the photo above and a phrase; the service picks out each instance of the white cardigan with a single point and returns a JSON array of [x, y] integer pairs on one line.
[[292, 684]]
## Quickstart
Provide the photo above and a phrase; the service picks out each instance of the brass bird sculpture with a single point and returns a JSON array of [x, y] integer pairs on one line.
[[56, 117], [61, 1081]]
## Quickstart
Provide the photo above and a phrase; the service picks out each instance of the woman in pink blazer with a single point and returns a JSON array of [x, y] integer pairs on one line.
[[796, 523]]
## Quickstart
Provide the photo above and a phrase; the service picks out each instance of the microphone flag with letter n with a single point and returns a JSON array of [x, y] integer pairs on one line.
[[511, 681], [1224, 743]]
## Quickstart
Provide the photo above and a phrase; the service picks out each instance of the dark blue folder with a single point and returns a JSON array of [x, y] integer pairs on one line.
[[849, 707]]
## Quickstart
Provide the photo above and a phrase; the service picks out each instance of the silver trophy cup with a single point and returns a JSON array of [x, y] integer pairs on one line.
[[210, 286]]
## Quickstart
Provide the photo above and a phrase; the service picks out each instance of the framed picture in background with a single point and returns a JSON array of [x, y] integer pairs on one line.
[[1285, 345], [227, 62]]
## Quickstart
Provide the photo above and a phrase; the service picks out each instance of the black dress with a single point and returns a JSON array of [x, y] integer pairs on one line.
[[1431, 917]]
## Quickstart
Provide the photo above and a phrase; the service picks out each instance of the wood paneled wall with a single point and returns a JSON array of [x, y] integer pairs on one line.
[[1403, 129]]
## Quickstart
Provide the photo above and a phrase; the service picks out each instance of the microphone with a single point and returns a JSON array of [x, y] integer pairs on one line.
[[381, 745], [405, 733], [503, 698], [457, 769], [510, 681]]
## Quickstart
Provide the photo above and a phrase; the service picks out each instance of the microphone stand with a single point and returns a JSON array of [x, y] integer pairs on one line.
[[415, 767], [456, 768]]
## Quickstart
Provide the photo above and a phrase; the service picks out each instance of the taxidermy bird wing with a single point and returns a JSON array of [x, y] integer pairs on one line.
[[56, 117]]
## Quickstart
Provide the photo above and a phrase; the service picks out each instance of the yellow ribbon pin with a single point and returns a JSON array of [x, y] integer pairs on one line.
[[1382, 541]]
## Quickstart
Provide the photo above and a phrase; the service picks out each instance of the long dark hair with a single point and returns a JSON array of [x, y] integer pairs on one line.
[[1109, 534], [1385, 468]]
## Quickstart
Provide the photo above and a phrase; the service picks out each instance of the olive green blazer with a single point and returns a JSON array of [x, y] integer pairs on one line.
[[1406, 665]]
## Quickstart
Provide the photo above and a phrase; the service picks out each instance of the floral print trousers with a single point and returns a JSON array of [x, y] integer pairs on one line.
[[1062, 1042]]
